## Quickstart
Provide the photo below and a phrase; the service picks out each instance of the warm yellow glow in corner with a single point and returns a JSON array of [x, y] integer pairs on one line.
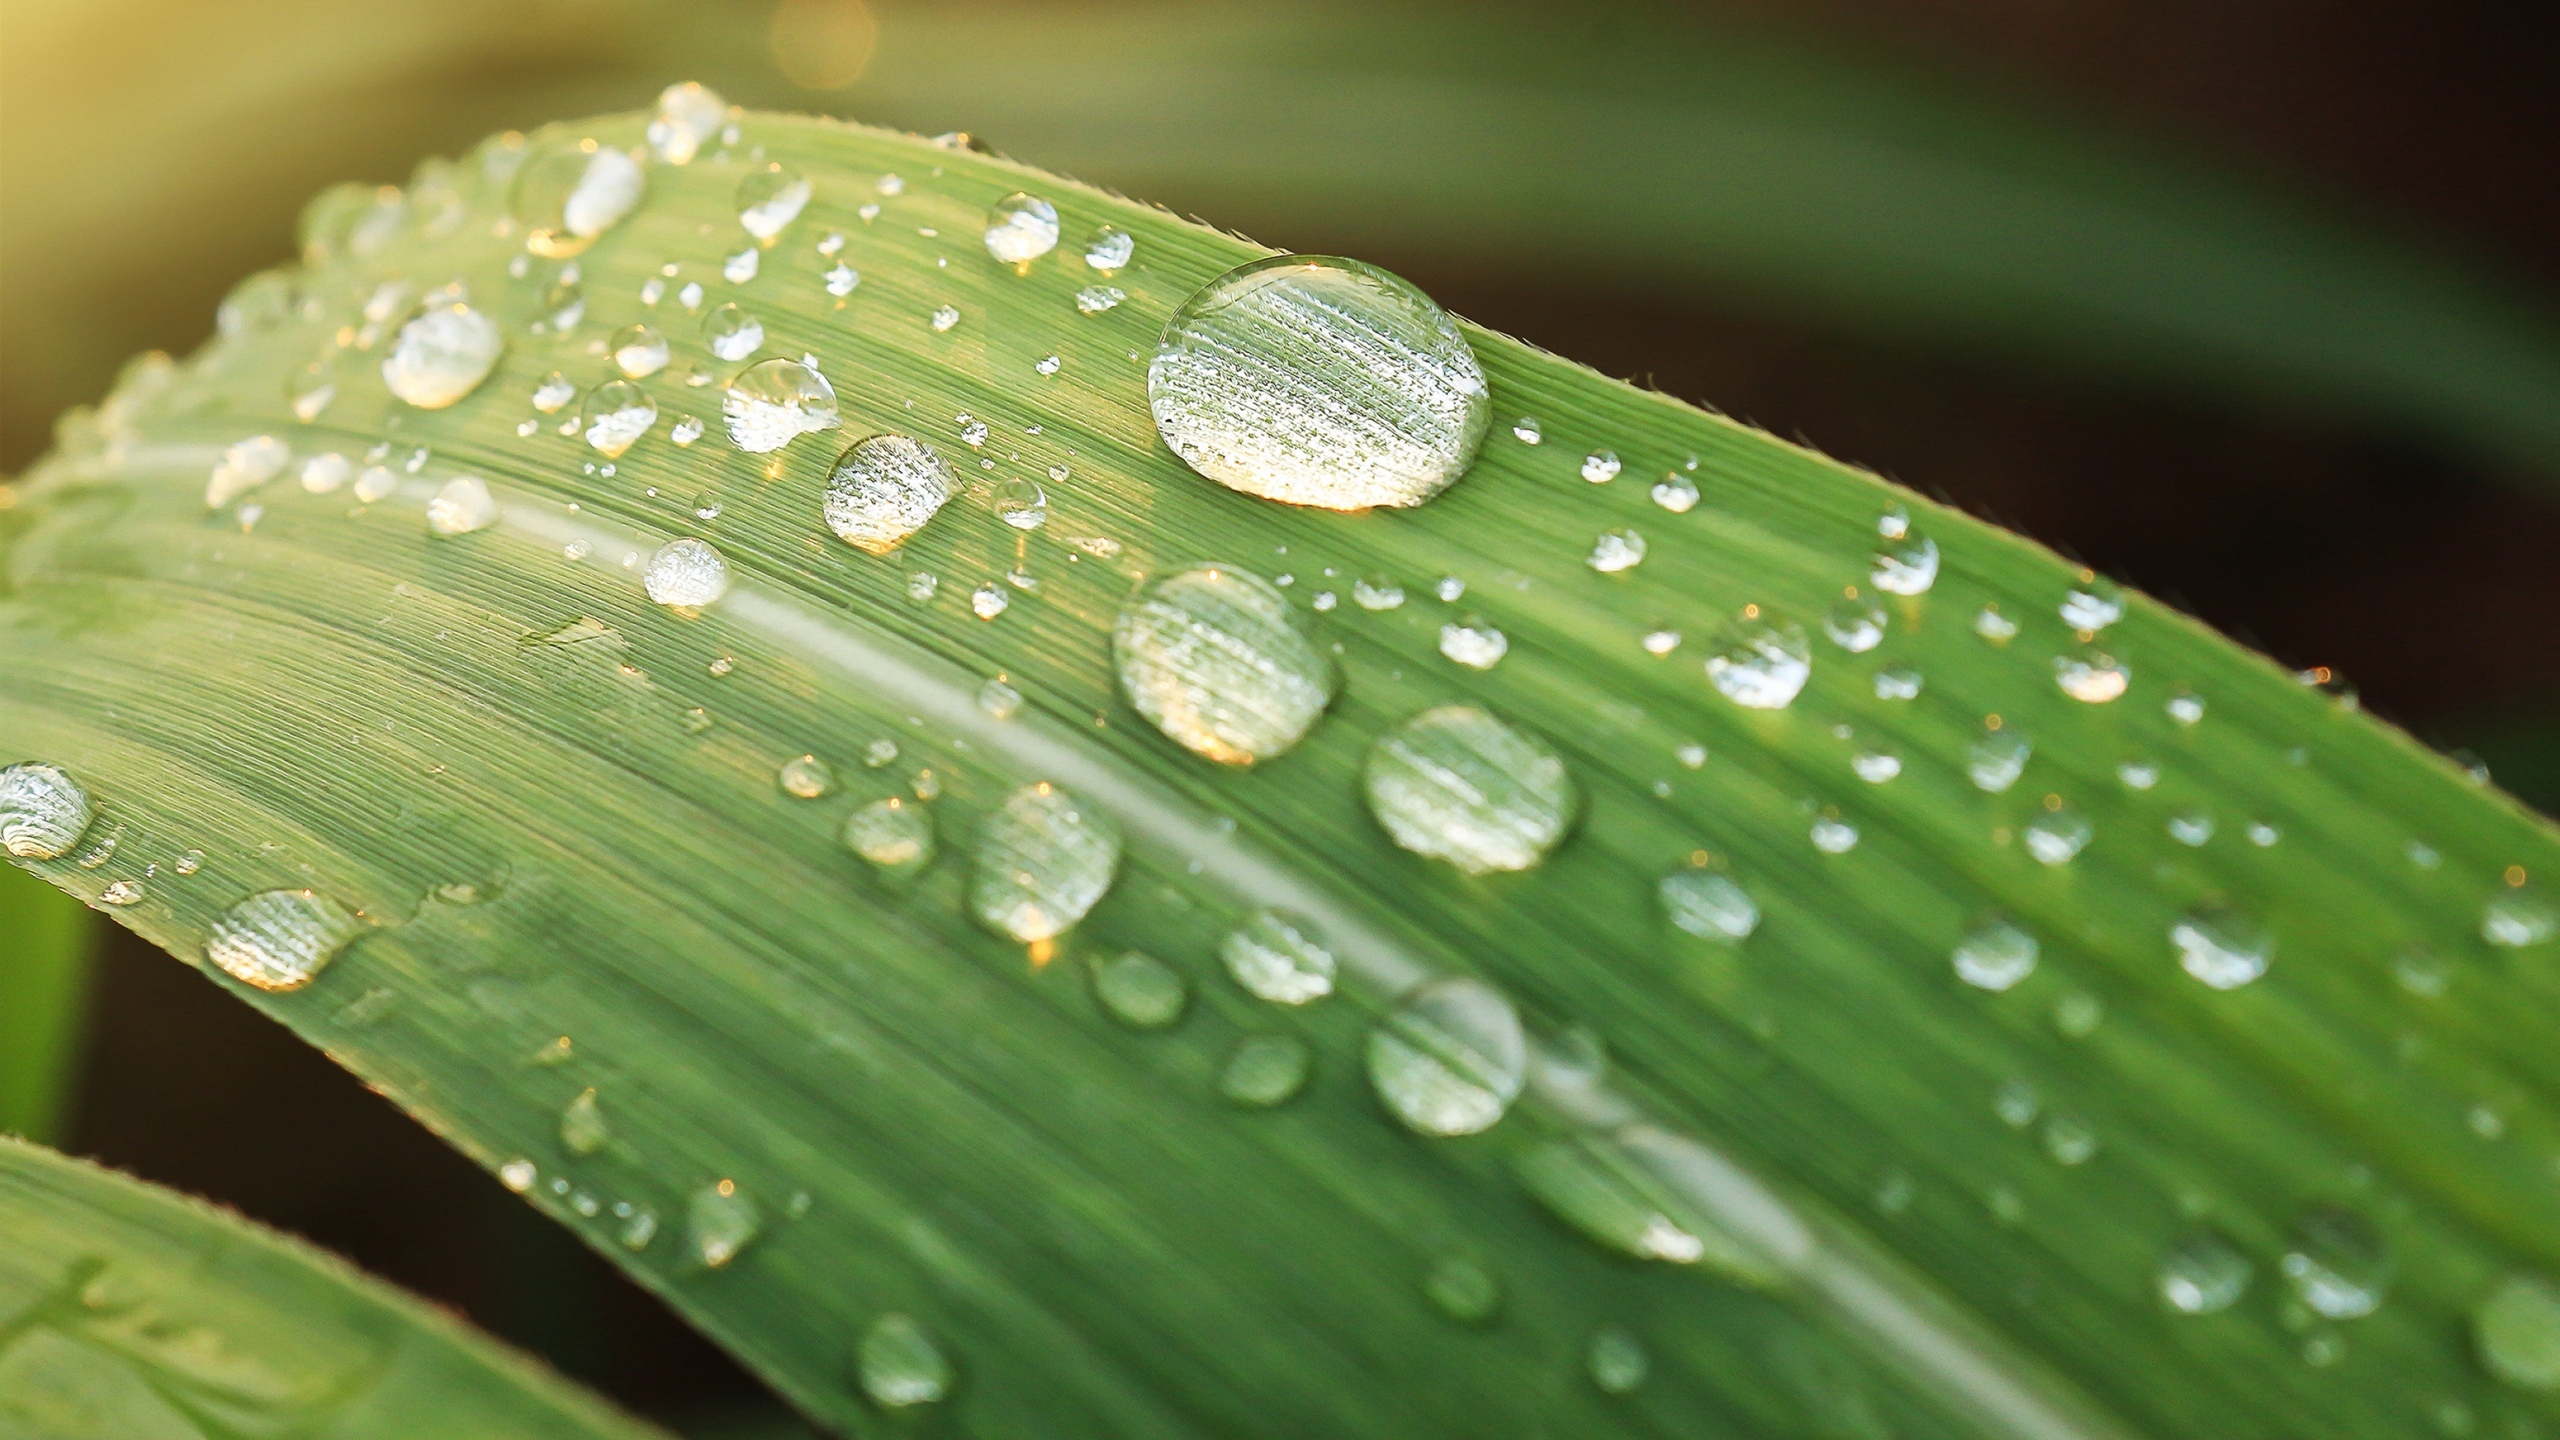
[[1042, 952], [823, 44]]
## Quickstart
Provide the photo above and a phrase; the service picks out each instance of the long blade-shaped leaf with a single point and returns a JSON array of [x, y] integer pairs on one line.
[[131, 1313], [1811, 1183], [44, 971]]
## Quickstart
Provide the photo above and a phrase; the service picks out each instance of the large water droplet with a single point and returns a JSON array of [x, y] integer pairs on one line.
[[688, 116], [570, 193], [2092, 678], [2221, 947], [462, 505], [1215, 658], [441, 355], [1855, 624], [1709, 906], [1995, 954], [1906, 567], [686, 573], [2518, 1329], [775, 402], [2202, 1274], [895, 835], [885, 489], [280, 939], [1021, 228], [1459, 785], [1139, 990], [245, 465], [43, 812], [1757, 664], [1319, 381], [720, 1221], [615, 416], [770, 199], [1451, 1058], [1280, 957], [1642, 1192], [1616, 1360], [1266, 1070], [2056, 834], [900, 1366], [1043, 860], [2338, 1263]]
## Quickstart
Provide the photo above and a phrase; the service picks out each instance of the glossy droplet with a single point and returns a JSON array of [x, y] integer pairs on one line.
[[2069, 1140], [280, 939], [2202, 1274], [806, 777], [2221, 947], [121, 892], [639, 351], [719, 1222], [1109, 249], [1474, 642], [943, 318], [2092, 609], [1676, 493], [617, 413], [570, 193], [1644, 1192], [441, 355], [1993, 626], [1709, 906], [1376, 592], [1021, 228], [688, 116], [686, 573], [1217, 659], [1600, 466], [1616, 550], [841, 279], [1094, 299], [900, 1366], [326, 474], [245, 465], [2517, 917], [1021, 503], [43, 811], [1759, 665], [1043, 860], [1908, 566], [375, 482], [775, 402], [1855, 624], [1279, 957], [989, 601], [554, 393], [1319, 381], [1266, 1070], [1459, 785], [1997, 757], [895, 835], [885, 489], [740, 268], [1833, 835], [583, 1130], [1450, 1059], [1995, 954], [2185, 708], [1898, 682], [2055, 835], [2518, 1330], [462, 505], [1139, 990], [2138, 774], [1875, 766], [1462, 1289], [731, 333], [771, 198], [1616, 1360], [2337, 1263], [2093, 678]]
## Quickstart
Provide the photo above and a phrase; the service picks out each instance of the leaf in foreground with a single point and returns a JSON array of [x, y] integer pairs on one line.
[[131, 1313], [689, 664]]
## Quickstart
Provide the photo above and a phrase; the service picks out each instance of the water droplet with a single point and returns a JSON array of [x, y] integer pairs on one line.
[[2518, 1330], [1600, 466], [2202, 1274], [1617, 550], [554, 393], [688, 116], [375, 482], [774, 402], [1377, 592], [1265, 1070], [244, 466], [1898, 682], [1997, 757], [2221, 947], [2516, 917], [989, 601], [121, 892], [1319, 381], [2069, 1140], [1216, 659], [2057, 834], [1474, 643], [1660, 642], [1676, 493], [638, 1228], [1993, 626], [840, 279], [1449, 588], [686, 431], [1022, 228], [1617, 1360], [1855, 624], [685, 573], [1046, 365], [583, 1130], [1139, 990], [719, 1222], [517, 1175], [1833, 835], [1459, 785], [943, 318], [1450, 1059], [2191, 827], [2262, 834], [807, 777], [441, 355], [1094, 299], [690, 296], [895, 835], [2093, 677], [1875, 766], [771, 198], [615, 416], [2337, 1263], [1463, 1289], [461, 505], [1109, 248], [1995, 954], [885, 489], [1043, 860], [2137, 774], [1692, 755], [2092, 609], [280, 939], [1279, 957], [900, 1366], [1019, 500], [880, 753], [740, 268], [639, 351], [570, 193], [1709, 906], [310, 396], [999, 700], [1759, 665], [1906, 567]]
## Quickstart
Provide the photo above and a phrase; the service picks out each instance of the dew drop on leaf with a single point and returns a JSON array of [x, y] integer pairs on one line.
[[280, 939], [1280, 957], [1450, 1058], [719, 1222], [1908, 566], [1616, 1360], [895, 835], [2220, 946], [1600, 466], [774, 402], [441, 355], [616, 414], [43, 811], [573, 191], [1463, 1289], [1855, 624], [583, 1130], [1139, 990], [1616, 550], [1109, 249], [639, 351], [2518, 1331], [1757, 664], [462, 505], [1216, 658], [2093, 677], [2337, 1263], [1021, 228], [1709, 906], [1459, 785], [806, 777], [2202, 1274], [1265, 1070], [1994, 954], [899, 1365], [1043, 860], [688, 116], [769, 199], [885, 489]]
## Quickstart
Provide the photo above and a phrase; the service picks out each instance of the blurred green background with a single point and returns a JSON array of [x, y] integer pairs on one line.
[[2247, 302]]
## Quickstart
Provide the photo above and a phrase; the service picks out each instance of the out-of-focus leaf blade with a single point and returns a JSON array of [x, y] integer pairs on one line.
[[45, 939]]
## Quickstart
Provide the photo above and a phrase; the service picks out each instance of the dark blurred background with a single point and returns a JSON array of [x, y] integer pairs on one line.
[[152, 152]]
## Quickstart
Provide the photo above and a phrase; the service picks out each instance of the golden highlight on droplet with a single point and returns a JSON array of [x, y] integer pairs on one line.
[[823, 44], [2515, 877]]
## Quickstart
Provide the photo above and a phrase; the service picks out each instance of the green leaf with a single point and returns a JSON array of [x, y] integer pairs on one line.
[[602, 929], [44, 966], [128, 1312]]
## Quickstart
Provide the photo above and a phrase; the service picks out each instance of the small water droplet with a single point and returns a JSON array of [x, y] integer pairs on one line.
[[840, 279], [1094, 299], [1265, 1070], [1319, 381], [1474, 643], [895, 835], [1908, 566], [1993, 626], [1139, 990], [2191, 827], [880, 754], [1997, 757], [2069, 1140], [1833, 835], [1676, 493], [900, 1366], [1450, 1059], [1022, 228], [1875, 766], [616, 414], [1757, 664], [517, 1175], [121, 892], [2138, 774], [1377, 592], [1045, 365], [1855, 623], [2337, 1263], [639, 351], [1457, 784], [462, 505], [188, 864], [719, 1222], [2185, 708], [774, 402], [2092, 609], [686, 573], [245, 465], [770, 198], [43, 811], [569, 193], [280, 939], [688, 116], [2517, 917], [2056, 834], [1449, 588], [807, 777], [740, 268], [1463, 1289], [1709, 906], [1215, 658], [1995, 954], [554, 393], [1044, 859], [2093, 677], [583, 1130], [1108, 249], [989, 601], [1898, 682], [2203, 1274], [1616, 550], [1600, 466], [2421, 971], [638, 1228], [1279, 957], [2221, 947], [1616, 1360], [441, 355], [2518, 1331], [731, 333], [2262, 834]]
